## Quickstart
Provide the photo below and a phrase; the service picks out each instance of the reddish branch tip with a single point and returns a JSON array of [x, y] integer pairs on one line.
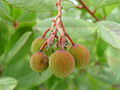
[[80, 7], [86, 8]]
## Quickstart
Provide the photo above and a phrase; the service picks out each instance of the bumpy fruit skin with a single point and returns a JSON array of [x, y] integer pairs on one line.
[[61, 63], [39, 62], [80, 54], [37, 44]]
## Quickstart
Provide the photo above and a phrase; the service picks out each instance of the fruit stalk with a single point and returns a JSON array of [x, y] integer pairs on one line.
[[62, 24], [52, 37], [58, 23], [60, 16], [44, 34], [70, 39]]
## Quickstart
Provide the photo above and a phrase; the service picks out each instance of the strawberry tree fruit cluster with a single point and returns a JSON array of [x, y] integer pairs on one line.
[[65, 58], [61, 62]]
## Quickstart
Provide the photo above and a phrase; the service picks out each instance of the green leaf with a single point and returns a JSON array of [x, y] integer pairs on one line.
[[79, 29], [33, 79], [101, 48], [110, 32], [105, 11], [34, 5], [115, 15], [104, 3], [27, 78], [4, 35], [17, 47], [27, 17], [7, 83], [23, 28], [24, 66], [25, 50], [4, 11], [113, 56], [67, 4], [23, 16]]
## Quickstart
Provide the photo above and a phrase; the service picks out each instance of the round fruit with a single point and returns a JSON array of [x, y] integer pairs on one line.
[[61, 63], [39, 62], [80, 54], [37, 44]]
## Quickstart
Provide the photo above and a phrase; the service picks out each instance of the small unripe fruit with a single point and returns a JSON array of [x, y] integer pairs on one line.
[[61, 63], [39, 62], [37, 44], [80, 54]]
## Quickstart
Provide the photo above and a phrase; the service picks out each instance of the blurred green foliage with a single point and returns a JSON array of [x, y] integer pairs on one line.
[[18, 28]]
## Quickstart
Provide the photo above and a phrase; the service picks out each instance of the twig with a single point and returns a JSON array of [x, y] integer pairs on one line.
[[92, 13]]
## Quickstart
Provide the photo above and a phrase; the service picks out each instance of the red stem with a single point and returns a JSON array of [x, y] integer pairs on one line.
[[86, 8], [41, 49], [70, 39], [54, 33], [44, 35], [59, 26]]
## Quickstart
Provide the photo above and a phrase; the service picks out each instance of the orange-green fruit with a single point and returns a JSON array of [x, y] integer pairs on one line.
[[37, 44], [39, 62], [61, 63], [80, 54]]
